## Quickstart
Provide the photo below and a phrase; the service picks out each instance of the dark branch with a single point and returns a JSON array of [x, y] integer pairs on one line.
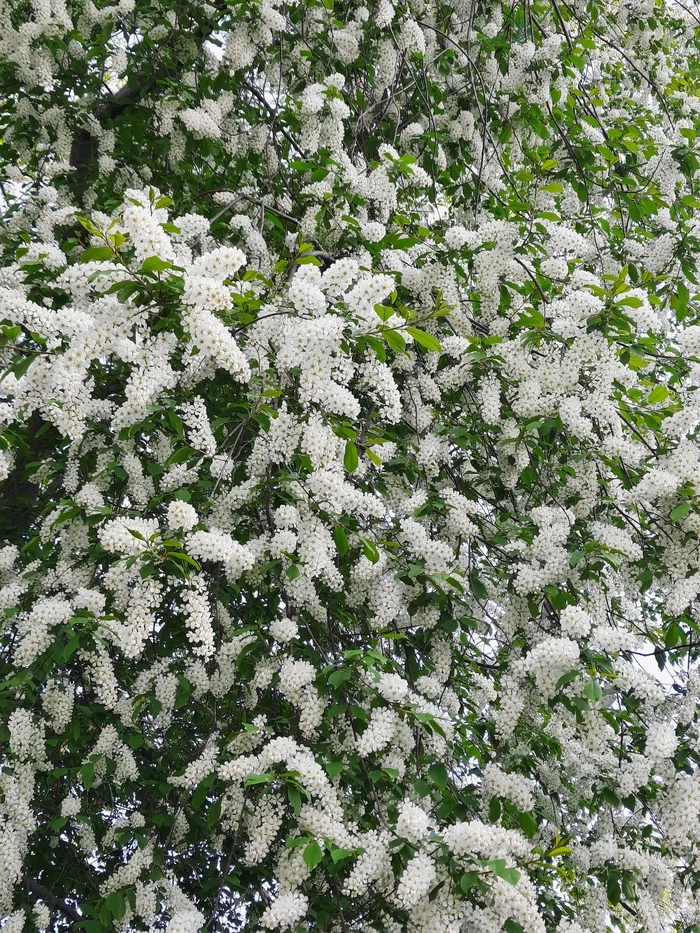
[[50, 899]]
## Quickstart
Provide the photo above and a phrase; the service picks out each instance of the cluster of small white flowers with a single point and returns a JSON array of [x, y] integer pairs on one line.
[[417, 880], [575, 622], [131, 635], [476, 838], [315, 347], [142, 222], [413, 823], [393, 688], [70, 806], [617, 539], [284, 630], [15, 922], [11, 856], [129, 873], [296, 684], [379, 732], [294, 676], [34, 628], [379, 380], [515, 787], [128, 536], [58, 701], [181, 516], [186, 921], [200, 631], [102, 676], [373, 865], [263, 825], [548, 660], [277, 445], [200, 434], [549, 558], [662, 741], [217, 546], [26, 736], [438, 555], [285, 912], [208, 334], [90, 498], [198, 769], [680, 811], [41, 916], [633, 773], [109, 745]]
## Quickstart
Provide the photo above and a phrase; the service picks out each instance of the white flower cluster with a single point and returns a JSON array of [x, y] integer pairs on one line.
[[417, 880], [285, 912], [219, 546], [514, 787], [200, 631]]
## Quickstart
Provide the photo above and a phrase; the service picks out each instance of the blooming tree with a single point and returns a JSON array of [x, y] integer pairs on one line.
[[349, 462]]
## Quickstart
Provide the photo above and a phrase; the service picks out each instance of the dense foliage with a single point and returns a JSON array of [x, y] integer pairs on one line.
[[350, 469]]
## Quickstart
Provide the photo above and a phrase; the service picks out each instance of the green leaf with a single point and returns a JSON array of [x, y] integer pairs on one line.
[[424, 339], [350, 460], [613, 889], [568, 677], [339, 677], [97, 254], [88, 225], [200, 794], [370, 551], [528, 824], [680, 511], [673, 635], [659, 394], [395, 340], [214, 813], [384, 311], [339, 854], [559, 850], [377, 346], [72, 646], [294, 798], [478, 588], [180, 456], [313, 854], [438, 775], [253, 779], [468, 880], [155, 264], [499, 868], [87, 774], [593, 691], [341, 540], [296, 843], [333, 768], [116, 904]]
